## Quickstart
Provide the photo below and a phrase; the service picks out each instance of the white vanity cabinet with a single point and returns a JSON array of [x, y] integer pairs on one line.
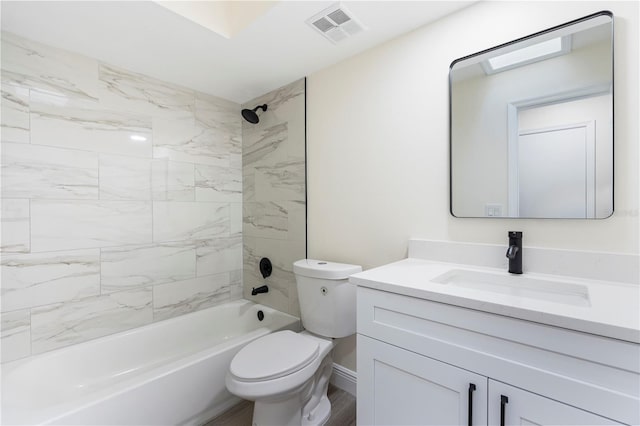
[[513, 406], [400, 387], [418, 358]]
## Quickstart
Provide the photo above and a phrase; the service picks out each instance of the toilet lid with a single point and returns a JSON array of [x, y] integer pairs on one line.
[[274, 355]]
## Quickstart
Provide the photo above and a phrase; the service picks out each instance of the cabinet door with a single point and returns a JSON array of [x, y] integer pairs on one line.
[[514, 406], [399, 387]]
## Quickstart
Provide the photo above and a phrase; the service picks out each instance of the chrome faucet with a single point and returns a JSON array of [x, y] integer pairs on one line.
[[514, 252]]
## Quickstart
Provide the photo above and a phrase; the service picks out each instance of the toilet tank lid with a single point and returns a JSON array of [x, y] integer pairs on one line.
[[325, 270]]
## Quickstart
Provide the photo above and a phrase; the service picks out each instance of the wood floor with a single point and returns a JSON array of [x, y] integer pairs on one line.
[[343, 411]]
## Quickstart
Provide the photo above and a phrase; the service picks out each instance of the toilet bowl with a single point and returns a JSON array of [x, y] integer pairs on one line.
[[280, 372], [287, 373]]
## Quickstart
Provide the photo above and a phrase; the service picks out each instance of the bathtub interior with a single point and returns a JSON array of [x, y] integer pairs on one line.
[[66, 380]]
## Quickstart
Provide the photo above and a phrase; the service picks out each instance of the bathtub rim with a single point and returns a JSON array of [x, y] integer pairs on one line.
[[52, 413], [57, 351]]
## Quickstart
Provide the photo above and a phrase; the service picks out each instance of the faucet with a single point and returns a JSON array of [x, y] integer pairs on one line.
[[514, 252], [265, 269], [261, 289]]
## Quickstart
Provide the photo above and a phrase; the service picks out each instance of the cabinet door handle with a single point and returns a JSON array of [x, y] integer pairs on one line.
[[472, 388], [503, 401]]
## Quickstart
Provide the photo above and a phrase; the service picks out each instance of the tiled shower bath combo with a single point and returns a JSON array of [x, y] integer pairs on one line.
[[122, 198]]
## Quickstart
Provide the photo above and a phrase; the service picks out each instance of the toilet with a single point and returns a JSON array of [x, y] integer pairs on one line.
[[287, 373]]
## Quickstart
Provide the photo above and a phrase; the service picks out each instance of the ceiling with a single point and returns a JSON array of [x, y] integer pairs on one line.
[[276, 48]]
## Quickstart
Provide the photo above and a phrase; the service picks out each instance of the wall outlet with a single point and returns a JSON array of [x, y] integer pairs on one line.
[[491, 210]]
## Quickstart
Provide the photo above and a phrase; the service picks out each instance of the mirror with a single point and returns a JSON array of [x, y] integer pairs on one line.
[[531, 125]]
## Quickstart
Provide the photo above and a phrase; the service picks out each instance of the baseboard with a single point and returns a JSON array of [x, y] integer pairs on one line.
[[344, 379]]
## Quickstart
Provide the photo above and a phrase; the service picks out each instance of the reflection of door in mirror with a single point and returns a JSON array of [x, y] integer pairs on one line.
[[553, 174], [552, 159]]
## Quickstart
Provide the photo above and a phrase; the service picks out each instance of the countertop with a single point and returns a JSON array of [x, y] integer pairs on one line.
[[610, 309]]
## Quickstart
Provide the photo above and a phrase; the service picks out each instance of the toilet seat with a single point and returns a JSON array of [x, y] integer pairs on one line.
[[273, 356]]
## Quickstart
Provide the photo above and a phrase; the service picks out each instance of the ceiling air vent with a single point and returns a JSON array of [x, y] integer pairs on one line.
[[335, 23]]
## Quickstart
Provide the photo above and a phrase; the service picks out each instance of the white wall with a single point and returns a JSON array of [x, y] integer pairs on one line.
[[378, 142]]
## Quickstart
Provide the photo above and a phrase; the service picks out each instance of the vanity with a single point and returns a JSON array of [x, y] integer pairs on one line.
[[448, 336], [445, 343]]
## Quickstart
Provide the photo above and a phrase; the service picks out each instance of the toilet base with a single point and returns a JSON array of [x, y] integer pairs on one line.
[[287, 413], [277, 413], [308, 406], [320, 414]]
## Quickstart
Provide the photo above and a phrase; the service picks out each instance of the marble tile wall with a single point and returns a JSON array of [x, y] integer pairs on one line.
[[121, 199], [274, 198]]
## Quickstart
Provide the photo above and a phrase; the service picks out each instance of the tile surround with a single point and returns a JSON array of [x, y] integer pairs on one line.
[[282, 181], [15, 334], [32, 171], [187, 140], [38, 279], [15, 226], [214, 183], [219, 255], [265, 146], [172, 181], [125, 90], [90, 127], [171, 300], [130, 267], [68, 225], [121, 199], [266, 220], [273, 192], [176, 221], [47, 70], [124, 178], [14, 111], [63, 324]]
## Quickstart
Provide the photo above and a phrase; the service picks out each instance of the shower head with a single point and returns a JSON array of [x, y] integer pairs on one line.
[[250, 114]]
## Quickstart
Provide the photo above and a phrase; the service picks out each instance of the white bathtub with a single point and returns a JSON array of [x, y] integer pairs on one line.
[[167, 373]]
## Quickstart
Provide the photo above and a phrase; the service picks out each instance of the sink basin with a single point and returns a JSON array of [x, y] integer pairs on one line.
[[517, 285]]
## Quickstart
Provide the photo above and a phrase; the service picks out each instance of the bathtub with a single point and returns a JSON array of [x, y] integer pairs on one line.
[[167, 373]]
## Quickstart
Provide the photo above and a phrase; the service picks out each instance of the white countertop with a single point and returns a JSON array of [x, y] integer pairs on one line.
[[610, 309]]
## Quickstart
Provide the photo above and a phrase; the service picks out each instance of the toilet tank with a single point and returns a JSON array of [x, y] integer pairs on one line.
[[327, 299]]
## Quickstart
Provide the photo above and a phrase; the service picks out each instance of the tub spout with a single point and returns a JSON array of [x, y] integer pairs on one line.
[[262, 289]]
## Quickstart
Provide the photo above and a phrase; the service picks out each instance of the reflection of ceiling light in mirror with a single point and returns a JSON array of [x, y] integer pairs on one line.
[[527, 55], [138, 138]]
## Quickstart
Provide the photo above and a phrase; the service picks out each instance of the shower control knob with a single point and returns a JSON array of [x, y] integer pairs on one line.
[[265, 267]]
